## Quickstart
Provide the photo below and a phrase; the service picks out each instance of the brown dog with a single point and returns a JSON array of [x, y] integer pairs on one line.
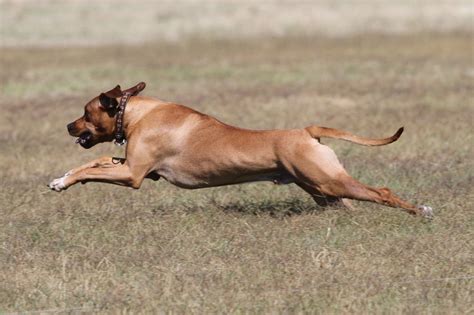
[[193, 150]]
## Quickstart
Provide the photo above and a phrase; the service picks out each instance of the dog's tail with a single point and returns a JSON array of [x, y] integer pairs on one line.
[[323, 132]]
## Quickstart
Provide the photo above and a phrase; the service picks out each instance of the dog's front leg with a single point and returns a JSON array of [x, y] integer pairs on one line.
[[107, 169], [105, 161]]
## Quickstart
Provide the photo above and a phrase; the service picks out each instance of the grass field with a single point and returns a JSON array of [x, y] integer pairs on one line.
[[251, 248]]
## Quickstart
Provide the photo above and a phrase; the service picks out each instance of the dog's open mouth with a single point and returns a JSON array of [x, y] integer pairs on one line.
[[85, 139]]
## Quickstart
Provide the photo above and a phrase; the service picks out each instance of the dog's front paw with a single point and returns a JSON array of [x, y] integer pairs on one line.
[[426, 211], [58, 184]]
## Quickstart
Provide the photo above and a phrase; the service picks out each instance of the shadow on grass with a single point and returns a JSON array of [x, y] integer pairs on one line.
[[273, 208]]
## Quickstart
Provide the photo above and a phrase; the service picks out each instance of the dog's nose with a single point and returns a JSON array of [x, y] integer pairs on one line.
[[70, 127]]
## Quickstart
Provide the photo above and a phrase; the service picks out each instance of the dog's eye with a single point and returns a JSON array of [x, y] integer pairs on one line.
[[86, 117]]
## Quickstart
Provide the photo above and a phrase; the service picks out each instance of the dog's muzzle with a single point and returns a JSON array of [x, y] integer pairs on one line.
[[70, 128], [85, 140]]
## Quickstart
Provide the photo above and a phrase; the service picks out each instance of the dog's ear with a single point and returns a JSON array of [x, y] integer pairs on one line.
[[107, 102], [134, 90], [109, 99], [115, 92]]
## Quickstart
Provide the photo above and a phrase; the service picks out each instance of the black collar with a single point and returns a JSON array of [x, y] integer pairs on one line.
[[119, 133]]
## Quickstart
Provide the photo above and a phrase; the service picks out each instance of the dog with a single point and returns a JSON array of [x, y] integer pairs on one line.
[[193, 150]]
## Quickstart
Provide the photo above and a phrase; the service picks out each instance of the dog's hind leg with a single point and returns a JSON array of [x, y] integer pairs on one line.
[[321, 199], [317, 169], [324, 200], [348, 187]]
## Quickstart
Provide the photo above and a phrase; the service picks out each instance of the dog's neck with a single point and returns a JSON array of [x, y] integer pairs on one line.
[[137, 108]]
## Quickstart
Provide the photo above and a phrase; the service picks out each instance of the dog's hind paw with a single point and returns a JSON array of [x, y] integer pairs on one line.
[[426, 211], [58, 184]]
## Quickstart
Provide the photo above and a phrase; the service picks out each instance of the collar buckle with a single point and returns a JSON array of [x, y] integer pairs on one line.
[[120, 142]]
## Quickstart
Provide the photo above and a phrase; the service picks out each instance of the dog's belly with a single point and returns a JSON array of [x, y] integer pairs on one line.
[[190, 182], [201, 178]]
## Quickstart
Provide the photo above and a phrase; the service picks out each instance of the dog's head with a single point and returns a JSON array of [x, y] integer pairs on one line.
[[98, 122]]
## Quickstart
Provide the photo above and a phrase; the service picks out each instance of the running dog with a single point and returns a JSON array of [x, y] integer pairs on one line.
[[193, 150]]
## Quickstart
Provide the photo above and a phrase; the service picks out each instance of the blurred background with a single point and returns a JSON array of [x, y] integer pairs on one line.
[[49, 22]]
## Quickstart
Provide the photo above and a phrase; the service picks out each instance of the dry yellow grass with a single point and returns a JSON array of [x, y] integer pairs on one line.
[[254, 248]]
